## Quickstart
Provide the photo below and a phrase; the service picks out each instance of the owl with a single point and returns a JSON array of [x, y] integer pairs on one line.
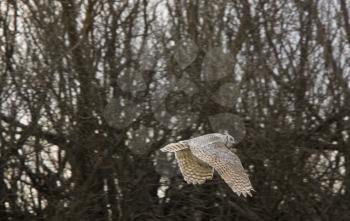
[[199, 157]]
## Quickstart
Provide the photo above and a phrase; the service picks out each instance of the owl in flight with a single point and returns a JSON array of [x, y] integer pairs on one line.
[[198, 157]]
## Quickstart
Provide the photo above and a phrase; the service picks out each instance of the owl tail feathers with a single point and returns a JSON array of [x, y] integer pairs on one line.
[[173, 147]]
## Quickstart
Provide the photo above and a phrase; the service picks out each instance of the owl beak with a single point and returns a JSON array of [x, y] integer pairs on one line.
[[235, 141], [231, 144]]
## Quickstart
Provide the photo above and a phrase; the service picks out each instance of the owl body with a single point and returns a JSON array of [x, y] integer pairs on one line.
[[204, 140], [198, 157]]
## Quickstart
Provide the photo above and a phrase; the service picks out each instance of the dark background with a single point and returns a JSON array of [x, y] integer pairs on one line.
[[90, 90]]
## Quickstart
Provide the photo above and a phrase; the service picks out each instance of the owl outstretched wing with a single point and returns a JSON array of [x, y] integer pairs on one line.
[[193, 170], [227, 164]]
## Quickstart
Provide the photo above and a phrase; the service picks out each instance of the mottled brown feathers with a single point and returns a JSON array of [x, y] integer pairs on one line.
[[198, 157]]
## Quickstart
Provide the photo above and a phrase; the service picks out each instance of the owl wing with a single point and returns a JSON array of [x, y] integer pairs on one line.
[[227, 164], [193, 170]]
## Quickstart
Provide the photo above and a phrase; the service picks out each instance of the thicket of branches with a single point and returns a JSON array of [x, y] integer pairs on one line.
[[91, 89]]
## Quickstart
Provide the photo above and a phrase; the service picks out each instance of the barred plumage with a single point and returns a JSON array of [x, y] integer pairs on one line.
[[198, 157], [192, 169]]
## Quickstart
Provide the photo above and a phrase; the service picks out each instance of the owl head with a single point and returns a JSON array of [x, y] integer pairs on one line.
[[229, 140]]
